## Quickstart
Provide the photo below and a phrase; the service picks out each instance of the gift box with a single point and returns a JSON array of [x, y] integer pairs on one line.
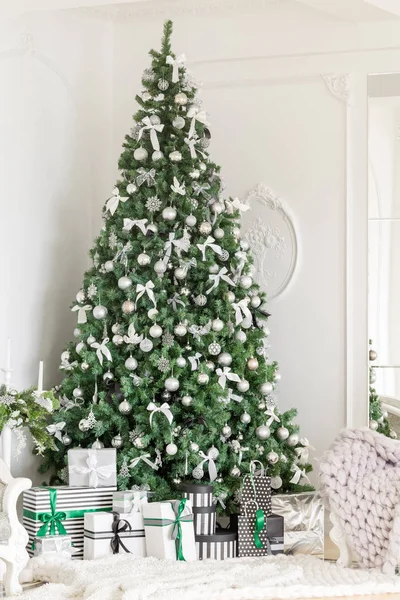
[[256, 487], [253, 534], [304, 522], [52, 510], [204, 510], [130, 500], [113, 533], [169, 530], [221, 545], [53, 544], [92, 468], [275, 530]]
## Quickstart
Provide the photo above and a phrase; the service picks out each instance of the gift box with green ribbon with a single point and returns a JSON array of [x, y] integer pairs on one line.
[[169, 530], [60, 511]]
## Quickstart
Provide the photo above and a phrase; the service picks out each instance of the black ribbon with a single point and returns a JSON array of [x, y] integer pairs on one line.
[[190, 421], [114, 389], [119, 526]]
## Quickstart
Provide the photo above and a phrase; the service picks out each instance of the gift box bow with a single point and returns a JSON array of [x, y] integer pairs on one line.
[[119, 526], [92, 469], [178, 507]]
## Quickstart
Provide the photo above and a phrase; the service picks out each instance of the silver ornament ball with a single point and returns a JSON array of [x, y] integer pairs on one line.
[[97, 444], [246, 282], [155, 331], [282, 433], [128, 307], [252, 364], [213, 269], [373, 425], [169, 213], [171, 384], [190, 220], [226, 430], [277, 376], [143, 259], [241, 336], [124, 407], [175, 156], [146, 345], [217, 208], [225, 359], [116, 328], [210, 365], [272, 457], [131, 188], [131, 363], [246, 323], [117, 441], [217, 325], [152, 313], [243, 386], [80, 296], [180, 330], [218, 233], [276, 482], [91, 339], [178, 122], [160, 267], [255, 301], [117, 339], [84, 425], [77, 392], [293, 440], [213, 453], [180, 273], [205, 228], [66, 440], [373, 355], [186, 400], [200, 300], [84, 366], [155, 120], [162, 84], [124, 283], [108, 376], [197, 473], [140, 154], [194, 447], [181, 99], [181, 362], [263, 432], [171, 449], [266, 388], [230, 296], [245, 418], [202, 378], [244, 244], [235, 472], [100, 312], [77, 332]]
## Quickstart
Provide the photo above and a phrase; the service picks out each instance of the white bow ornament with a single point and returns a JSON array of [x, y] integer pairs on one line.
[[212, 469], [145, 458], [298, 474], [178, 188], [241, 310], [132, 337], [177, 63], [56, 429], [113, 202], [174, 301], [196, 114], [222, 274], [181, 245], [201, 189], [164, 409], [195, 360], [146, 176], [92, 469], [270, 412], [101, 349], [303, 451], [235, 204], [209, 243], [82, 318], [146, 289], [153, 128], [141, 223], [224, 374]]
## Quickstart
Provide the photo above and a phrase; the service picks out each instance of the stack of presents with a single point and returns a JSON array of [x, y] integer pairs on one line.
[[90, 519]]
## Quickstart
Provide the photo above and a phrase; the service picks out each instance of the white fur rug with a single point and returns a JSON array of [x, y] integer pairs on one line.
[[126, 577]]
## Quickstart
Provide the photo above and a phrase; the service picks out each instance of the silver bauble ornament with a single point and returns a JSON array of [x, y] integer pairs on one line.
[[243, 385], [225, 359], [80, 296], [180, 330], [65, 355], [91, 340], [277, 376], [124, 283], [276, 482], [245, 418], [66, 440], [200, 300], [100, 312], [131, 363], [373, 425], [186, 400], [241, 336], [152, 313], [97, 444], [266, 388], [217, 208], [205, 228], [128, 307], [175, 156], [180, 273], [171, 384], [84, 366], [272, 457], [197, 473], [214, 349], [181, 99], [146, 96], [235, 472], [293, 439], [217, 325], [203, 166], [166, 395], [77, 332], [178, 122], [124, 407], [385, 414], [202, 378], [213, 453], [181, 362], [245, 282], [213, 269], [146, 345], [373, 355], [155, 331], [116, 328], [162, 84], [157, 155], [255, 301], [131, 188], [84, 425], [224, 255], [244, 244], [117, 339], [143, 259], [236, 232], [169, 213], [117, 441], [190, 220], [155, 120], [140, 154], [252, 364], [194, 447], [230, 296], [261, 406], [79, 347], [171, 449], [282, 433], [226, 430], [77, 392], [218, 233], [246, 323], [204, 142], [108, 376], [263, 432], [160, 267]]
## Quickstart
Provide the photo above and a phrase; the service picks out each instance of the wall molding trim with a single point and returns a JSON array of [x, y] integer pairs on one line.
[[338, 85]]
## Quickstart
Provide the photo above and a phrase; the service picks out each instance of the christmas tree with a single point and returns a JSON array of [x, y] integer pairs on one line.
[[378, 418], [171, 364]]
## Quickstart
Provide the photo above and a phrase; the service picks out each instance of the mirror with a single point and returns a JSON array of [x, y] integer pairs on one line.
[[384, 239]]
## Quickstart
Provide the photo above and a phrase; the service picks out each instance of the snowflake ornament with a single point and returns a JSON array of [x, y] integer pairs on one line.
[[91, 419], [96, 260], [113, 240], [148, 75], [168, 339], [153, 204], [7, 399], [92, 291], [163, 364], [134, 434]]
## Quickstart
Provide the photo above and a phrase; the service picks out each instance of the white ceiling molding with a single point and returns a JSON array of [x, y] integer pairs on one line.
[[390, 6], [354, 10]]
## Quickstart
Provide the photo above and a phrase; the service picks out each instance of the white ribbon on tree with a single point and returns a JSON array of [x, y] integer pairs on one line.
[[235, 204], [82, 318], [220, 499], [222, 274], [224, 374], [175, 300], [196, 114], [303, 451], [241, 309], [176, 63], [209, 243], [141, 223], [67, 404], [195, 360], [122, 254], [153, 128], [178, 188], [201, 189], [92, 469], [270, 412], [145, 458], [233, 396], [241, 450], [101, 349], [56, 429], [198, 331], [181, 245], [212, 469], [298, 474], [188, 263], [242, 257], [146, 176], [146, 289], [132, 337], [164, 409], [113, 202]]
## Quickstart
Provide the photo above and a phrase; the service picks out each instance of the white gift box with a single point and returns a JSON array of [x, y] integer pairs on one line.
[[92, 468], [130, 501], [113, 533], [53, 544], [169, 530]]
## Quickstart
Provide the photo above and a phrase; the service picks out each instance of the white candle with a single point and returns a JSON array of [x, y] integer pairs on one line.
[[8, 361], [40, 377]]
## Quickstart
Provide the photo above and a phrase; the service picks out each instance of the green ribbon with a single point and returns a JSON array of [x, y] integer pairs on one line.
[[178, 507], [52, 521], [258, 527]]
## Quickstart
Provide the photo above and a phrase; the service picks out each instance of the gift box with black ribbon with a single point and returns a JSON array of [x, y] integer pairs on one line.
[[256, 483], [222, 544], [113, 533], [204, 509], [88, 467], [169, 530], [49, 511]]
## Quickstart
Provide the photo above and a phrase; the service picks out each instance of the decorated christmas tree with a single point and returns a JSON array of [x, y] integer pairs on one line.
[[170, 363], [378, 417]]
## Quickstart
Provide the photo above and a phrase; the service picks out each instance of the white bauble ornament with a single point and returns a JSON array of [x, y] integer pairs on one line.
[[117, 441], [152, 313], [146, 345], [162, 84], [140, 154], [230, 296], [255, 301], [246, 323], [100, 312], [155, 331], [155, 120], [171, 449], [84, 425], [178, 122], [272, 457], [226, 430], [217, 325], [131, 188], [276, 482], [202, 378], [213, 453], [181, 362], [243, 386], [200, 300], [205, 228], [116, 328], [235, 472], [152, 228], [252, 364], [203, 166], [131, 363], [244, 244], [210, 365], [124, 283], [245, 418], [385, 414], [124, 407], [282, 433], [266, 388], [169, 213], [263, 432], [84, 366], [194, 447], [373, 355], [65, 356], [218, 233], [241, 336], [245, 282], [171, 384], [277, 376], [266, 331], [160, 267], [79, 347], [91, 340], [77, 392], [293, 439], [143, 259], [175, 156], [225, 359], [66, 440], [146, 96], [180, 273], [77, 332], [197, 473], [217, 208], [117, 339], [190, 220], [373, 425], [80, 296], [213, 269], [128, 307], [181, 99], [97, 444], [108, 376], [180, 330], [214, 348], [261, 405], [186, 400]]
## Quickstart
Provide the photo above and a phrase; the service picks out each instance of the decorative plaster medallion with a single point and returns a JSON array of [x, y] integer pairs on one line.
[[338, 85], [270, 231]]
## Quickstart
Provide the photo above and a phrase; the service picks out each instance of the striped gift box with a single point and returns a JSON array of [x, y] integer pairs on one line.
[[204, 510], [221, 545], [74, 502]]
